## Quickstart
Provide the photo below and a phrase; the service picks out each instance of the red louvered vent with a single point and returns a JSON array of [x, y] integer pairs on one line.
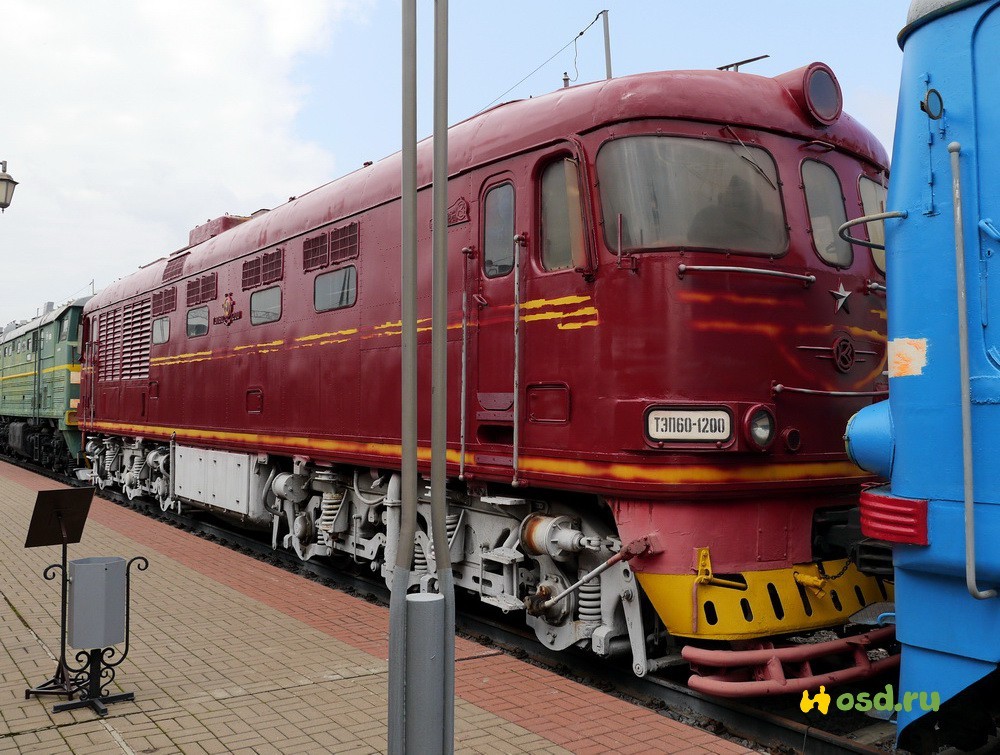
[[164, 301], [194, 293], [315, 253], [174, 269], [273, 268], [343, 243], [251, 273], [209, 287], [136, 331], [897, 520], [109, 346]]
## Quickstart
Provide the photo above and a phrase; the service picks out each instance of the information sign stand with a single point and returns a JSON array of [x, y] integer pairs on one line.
[[95, 595]]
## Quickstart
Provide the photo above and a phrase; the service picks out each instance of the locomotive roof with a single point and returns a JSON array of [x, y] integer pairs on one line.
[[925, 11], [722, 97], [19, 329]]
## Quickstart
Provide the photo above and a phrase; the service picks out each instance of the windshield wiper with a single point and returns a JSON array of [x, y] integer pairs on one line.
[[749, 158]]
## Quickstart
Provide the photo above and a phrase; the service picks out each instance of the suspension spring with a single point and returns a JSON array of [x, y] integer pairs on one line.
[[137, 466], [589, 600], [109, 459], [329, 508], [419, 558], [451, 526]]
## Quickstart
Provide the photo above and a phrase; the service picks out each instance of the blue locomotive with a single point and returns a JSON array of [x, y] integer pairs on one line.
[[936, 438]]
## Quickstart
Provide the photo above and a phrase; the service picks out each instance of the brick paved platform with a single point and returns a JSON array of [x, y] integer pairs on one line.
[[231, 655]]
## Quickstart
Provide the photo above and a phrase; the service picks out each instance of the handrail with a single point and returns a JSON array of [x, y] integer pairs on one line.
[[519, 241], [963, 357], [777, 388], [842, 231], [682, 269]]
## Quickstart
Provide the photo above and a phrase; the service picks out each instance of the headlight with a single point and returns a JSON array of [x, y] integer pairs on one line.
[[760, 427]]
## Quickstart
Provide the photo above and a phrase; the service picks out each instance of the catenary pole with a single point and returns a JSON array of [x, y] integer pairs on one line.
[[439, 369], [408, 315]]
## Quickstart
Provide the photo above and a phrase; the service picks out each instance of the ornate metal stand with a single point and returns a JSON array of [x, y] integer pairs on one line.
[[58, 519], [97, 670]]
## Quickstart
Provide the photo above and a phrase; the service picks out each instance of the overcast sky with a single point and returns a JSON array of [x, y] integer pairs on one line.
[[128, 122]]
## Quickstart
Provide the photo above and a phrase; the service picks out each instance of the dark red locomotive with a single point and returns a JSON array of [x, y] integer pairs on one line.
[[693, 335]]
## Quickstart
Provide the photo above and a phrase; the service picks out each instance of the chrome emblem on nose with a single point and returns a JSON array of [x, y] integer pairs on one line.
[[844, 354]]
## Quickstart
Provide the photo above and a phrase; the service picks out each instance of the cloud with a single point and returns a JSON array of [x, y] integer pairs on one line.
[[129, 123]]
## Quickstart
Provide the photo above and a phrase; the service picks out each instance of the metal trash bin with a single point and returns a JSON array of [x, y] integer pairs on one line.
[[96, 602]]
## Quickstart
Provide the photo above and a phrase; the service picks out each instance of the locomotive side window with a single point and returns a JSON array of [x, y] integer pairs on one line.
[[677, 192], [197, 322], [825, 200], [498, 231], [265, 306], [562, 216], [336, 290], [161, 330], [872, 203]]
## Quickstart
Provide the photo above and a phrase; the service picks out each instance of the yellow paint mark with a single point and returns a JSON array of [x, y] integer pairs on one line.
[[879, 313], [182, 356], [539, 303], [577, 325], [907, 357], [385, 325], [258, 346], [70, 367], [318, 336], [585, 312]]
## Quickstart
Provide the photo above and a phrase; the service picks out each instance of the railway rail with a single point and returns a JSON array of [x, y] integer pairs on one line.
[[773, 724]]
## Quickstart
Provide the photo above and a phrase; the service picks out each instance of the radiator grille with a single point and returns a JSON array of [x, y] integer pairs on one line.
[[136, 331], [273, 267], [202, 289], [315, 252], [109, 351], [344, 243], [164, 301], [174, 269], [251, 273]]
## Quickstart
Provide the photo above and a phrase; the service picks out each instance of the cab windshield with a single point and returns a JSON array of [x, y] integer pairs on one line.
[[676, 192]]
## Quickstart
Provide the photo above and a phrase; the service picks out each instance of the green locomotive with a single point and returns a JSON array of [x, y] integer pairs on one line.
[[40, 387]]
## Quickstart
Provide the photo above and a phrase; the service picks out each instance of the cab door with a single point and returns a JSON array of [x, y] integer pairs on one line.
[[492, 404]]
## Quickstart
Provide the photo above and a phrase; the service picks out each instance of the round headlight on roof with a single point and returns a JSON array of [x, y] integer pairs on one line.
[[816, 91], [822, 92]]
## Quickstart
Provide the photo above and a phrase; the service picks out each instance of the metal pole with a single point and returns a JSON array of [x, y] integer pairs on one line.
[[408, 298], [425, 729], [439, 358], [607, 45]]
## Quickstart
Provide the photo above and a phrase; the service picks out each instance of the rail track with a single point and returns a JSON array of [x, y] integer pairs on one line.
[[773, 725]]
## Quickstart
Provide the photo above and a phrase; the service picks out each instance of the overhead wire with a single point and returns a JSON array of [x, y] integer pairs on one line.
[[554, 56]]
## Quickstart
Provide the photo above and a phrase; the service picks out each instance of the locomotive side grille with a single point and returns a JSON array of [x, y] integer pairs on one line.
[[251, 273], [344, 243], [164, 301], [202, 289], [273, 267], [315, 253], [174, 269], [110, 346], [137, 329], [209, 287]]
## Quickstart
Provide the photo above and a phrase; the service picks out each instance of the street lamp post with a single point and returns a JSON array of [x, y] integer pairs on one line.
[[7, 185]]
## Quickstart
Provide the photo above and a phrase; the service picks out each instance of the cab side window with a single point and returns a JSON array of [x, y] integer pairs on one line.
[[872, 203], [498, 231], [825, 200], [562, 216]]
